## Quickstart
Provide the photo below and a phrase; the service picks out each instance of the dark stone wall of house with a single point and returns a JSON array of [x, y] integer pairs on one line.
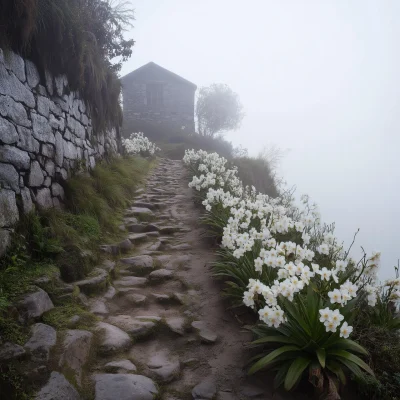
[[45, 133], [177, 109]]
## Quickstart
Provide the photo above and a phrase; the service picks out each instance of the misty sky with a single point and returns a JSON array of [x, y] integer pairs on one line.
[[319, 78]]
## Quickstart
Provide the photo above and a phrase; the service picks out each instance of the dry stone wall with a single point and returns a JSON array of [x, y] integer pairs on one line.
[[46, 133]]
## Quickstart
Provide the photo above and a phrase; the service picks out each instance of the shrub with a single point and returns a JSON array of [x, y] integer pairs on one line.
[[78, 38], [279, 260], [138, 144]]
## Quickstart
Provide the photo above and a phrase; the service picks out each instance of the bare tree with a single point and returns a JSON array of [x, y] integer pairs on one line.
[[218, 110]]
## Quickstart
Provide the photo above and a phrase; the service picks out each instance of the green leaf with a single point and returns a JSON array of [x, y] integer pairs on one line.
[[265, 361], [274, 339], [321, 356], [295, 371], [343, 354], [352, 367], [347, 344]]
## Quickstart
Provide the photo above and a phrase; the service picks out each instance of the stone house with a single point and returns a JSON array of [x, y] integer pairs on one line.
[[154, 96]]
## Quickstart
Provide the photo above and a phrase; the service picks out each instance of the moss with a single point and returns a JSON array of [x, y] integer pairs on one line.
[[59, 317]]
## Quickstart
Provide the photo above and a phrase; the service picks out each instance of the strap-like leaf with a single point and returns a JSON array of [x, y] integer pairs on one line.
[[274, 339], [265, 361], [295, 370], [351, 357], [321, 356], [347, 344]]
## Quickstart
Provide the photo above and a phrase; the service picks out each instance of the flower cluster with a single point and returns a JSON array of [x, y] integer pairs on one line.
[[258, 228], [139, 144]]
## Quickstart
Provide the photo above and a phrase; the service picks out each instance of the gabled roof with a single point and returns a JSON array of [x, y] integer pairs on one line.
[[152, 71]]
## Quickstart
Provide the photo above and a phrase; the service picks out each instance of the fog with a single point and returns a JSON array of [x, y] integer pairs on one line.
[[318, 78]]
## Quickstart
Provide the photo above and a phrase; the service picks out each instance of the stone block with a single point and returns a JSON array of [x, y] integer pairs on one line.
[[49, 82], [36, 176], [57, 388], [59, 157], [41, 129], [57, 123], [43, 339], [35, 304], [43, 106], [48, 150], [50, 168], [27, 204], [43, 198], [75, 351], [9, 177], [5, 240], [32, 74], [12, 155], [57, 190], [15, 63], [8, 133], [26, 141], [12, 86], [15, 111]]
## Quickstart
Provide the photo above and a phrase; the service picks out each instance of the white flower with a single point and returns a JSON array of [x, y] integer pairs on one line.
[[340, 266], [345, 330], [330, 326], [325, 274], [258, 263], [325, 314], [336, 317], [323, 249], [335, 296]]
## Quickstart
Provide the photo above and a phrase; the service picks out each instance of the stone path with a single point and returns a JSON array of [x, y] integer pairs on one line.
[[165, 330]]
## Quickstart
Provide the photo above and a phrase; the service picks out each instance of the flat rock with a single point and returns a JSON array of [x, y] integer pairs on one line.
[[98, 307], [120, 367], [125, 246], [43, 339], [142, 204], [164, 367], [11, 351], [176, 324], [130, 281], [57, 388], [206, 389], [141, 264], [136, 228], [161, 298], [113, 338], [160, 275], [124, 387], [138, 237], [135, 298], [111, 292], [205, 334], [35, 304], [96, 283], [133, 326], [180, 297], [75, 352], [140, 211], [168, 230], [154, 318]]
